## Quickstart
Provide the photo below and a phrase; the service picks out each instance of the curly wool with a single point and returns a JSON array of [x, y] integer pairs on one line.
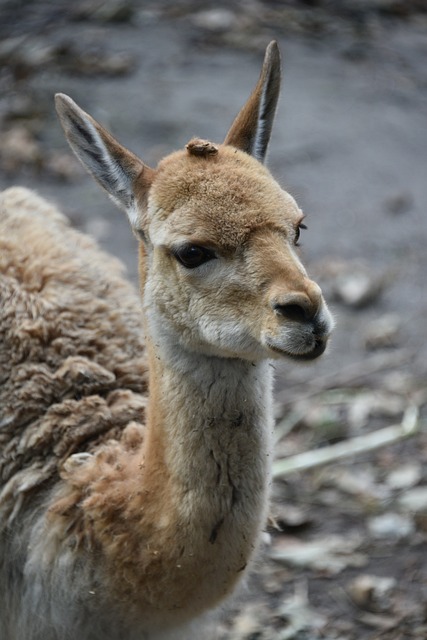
[[72, 367]]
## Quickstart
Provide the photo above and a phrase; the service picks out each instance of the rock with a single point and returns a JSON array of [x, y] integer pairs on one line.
[[383, 332], [353, 283], [358, 288], [216, 20]]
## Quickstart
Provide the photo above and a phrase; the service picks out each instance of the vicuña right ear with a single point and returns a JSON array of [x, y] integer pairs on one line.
[[116, 169]]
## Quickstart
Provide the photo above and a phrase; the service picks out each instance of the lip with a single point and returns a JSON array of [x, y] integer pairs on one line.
[[318, 349]]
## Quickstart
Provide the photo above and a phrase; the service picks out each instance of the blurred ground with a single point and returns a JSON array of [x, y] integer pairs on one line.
[[348, 557]]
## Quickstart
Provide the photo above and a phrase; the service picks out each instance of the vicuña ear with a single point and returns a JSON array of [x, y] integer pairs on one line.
[[116, 169], [251, 129]]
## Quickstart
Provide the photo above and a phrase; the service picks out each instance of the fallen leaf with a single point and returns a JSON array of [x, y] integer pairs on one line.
[[414, 499], [374, 404], [299, 615], [405, 476], [379, 621], [391, 525], [371, 592], [331, 554], [288, 516], [247, 622]]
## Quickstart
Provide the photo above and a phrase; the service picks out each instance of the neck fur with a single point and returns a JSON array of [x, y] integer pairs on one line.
[[209, 426], [210, 411]]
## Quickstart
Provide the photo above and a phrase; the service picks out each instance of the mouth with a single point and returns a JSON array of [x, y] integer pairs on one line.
[[317, 350]]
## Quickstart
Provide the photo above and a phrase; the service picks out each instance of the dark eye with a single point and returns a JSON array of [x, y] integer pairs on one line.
[[192, 256], [298, 232]]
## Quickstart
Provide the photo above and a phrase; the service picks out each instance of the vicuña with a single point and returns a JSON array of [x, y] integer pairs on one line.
[[135, 438]]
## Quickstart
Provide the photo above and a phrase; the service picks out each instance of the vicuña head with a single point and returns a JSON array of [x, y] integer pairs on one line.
[[221, 275]]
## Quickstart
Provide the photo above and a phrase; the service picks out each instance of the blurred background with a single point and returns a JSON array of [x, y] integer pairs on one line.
[[345, 554]]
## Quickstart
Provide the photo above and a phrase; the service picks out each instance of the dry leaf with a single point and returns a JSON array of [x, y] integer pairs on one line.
[[331, 554], [371, 592], [299, 615], [405, 476], [391, 525], [414, 500]]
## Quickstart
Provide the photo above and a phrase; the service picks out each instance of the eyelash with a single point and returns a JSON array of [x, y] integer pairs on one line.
[[297, 234]]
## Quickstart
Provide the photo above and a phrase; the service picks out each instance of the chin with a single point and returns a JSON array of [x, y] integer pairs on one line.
[[281, 350]]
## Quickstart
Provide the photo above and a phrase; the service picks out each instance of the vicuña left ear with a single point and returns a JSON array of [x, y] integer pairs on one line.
[[251, 129], [116, 169]]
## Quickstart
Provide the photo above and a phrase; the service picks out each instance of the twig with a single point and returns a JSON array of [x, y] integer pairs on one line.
[[360, 444]]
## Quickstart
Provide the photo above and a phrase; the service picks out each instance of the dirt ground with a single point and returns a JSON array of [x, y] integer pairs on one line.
[[347, 556]]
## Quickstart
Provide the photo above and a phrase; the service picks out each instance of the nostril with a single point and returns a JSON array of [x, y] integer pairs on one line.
[[294, 312]]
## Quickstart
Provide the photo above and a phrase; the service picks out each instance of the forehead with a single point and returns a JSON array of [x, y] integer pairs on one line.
[[220, 199]]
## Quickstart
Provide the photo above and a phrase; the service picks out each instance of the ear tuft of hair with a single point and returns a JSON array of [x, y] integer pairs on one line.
[[202, 148]]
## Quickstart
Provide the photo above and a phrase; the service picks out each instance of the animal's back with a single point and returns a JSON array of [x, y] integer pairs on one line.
[[71, 371]]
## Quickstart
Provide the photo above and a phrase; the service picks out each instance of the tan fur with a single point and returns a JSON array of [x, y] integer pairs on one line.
[[124, 517]]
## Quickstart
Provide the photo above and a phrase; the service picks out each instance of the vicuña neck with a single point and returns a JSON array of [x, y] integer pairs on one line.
[[204, 406], [207, 460]]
